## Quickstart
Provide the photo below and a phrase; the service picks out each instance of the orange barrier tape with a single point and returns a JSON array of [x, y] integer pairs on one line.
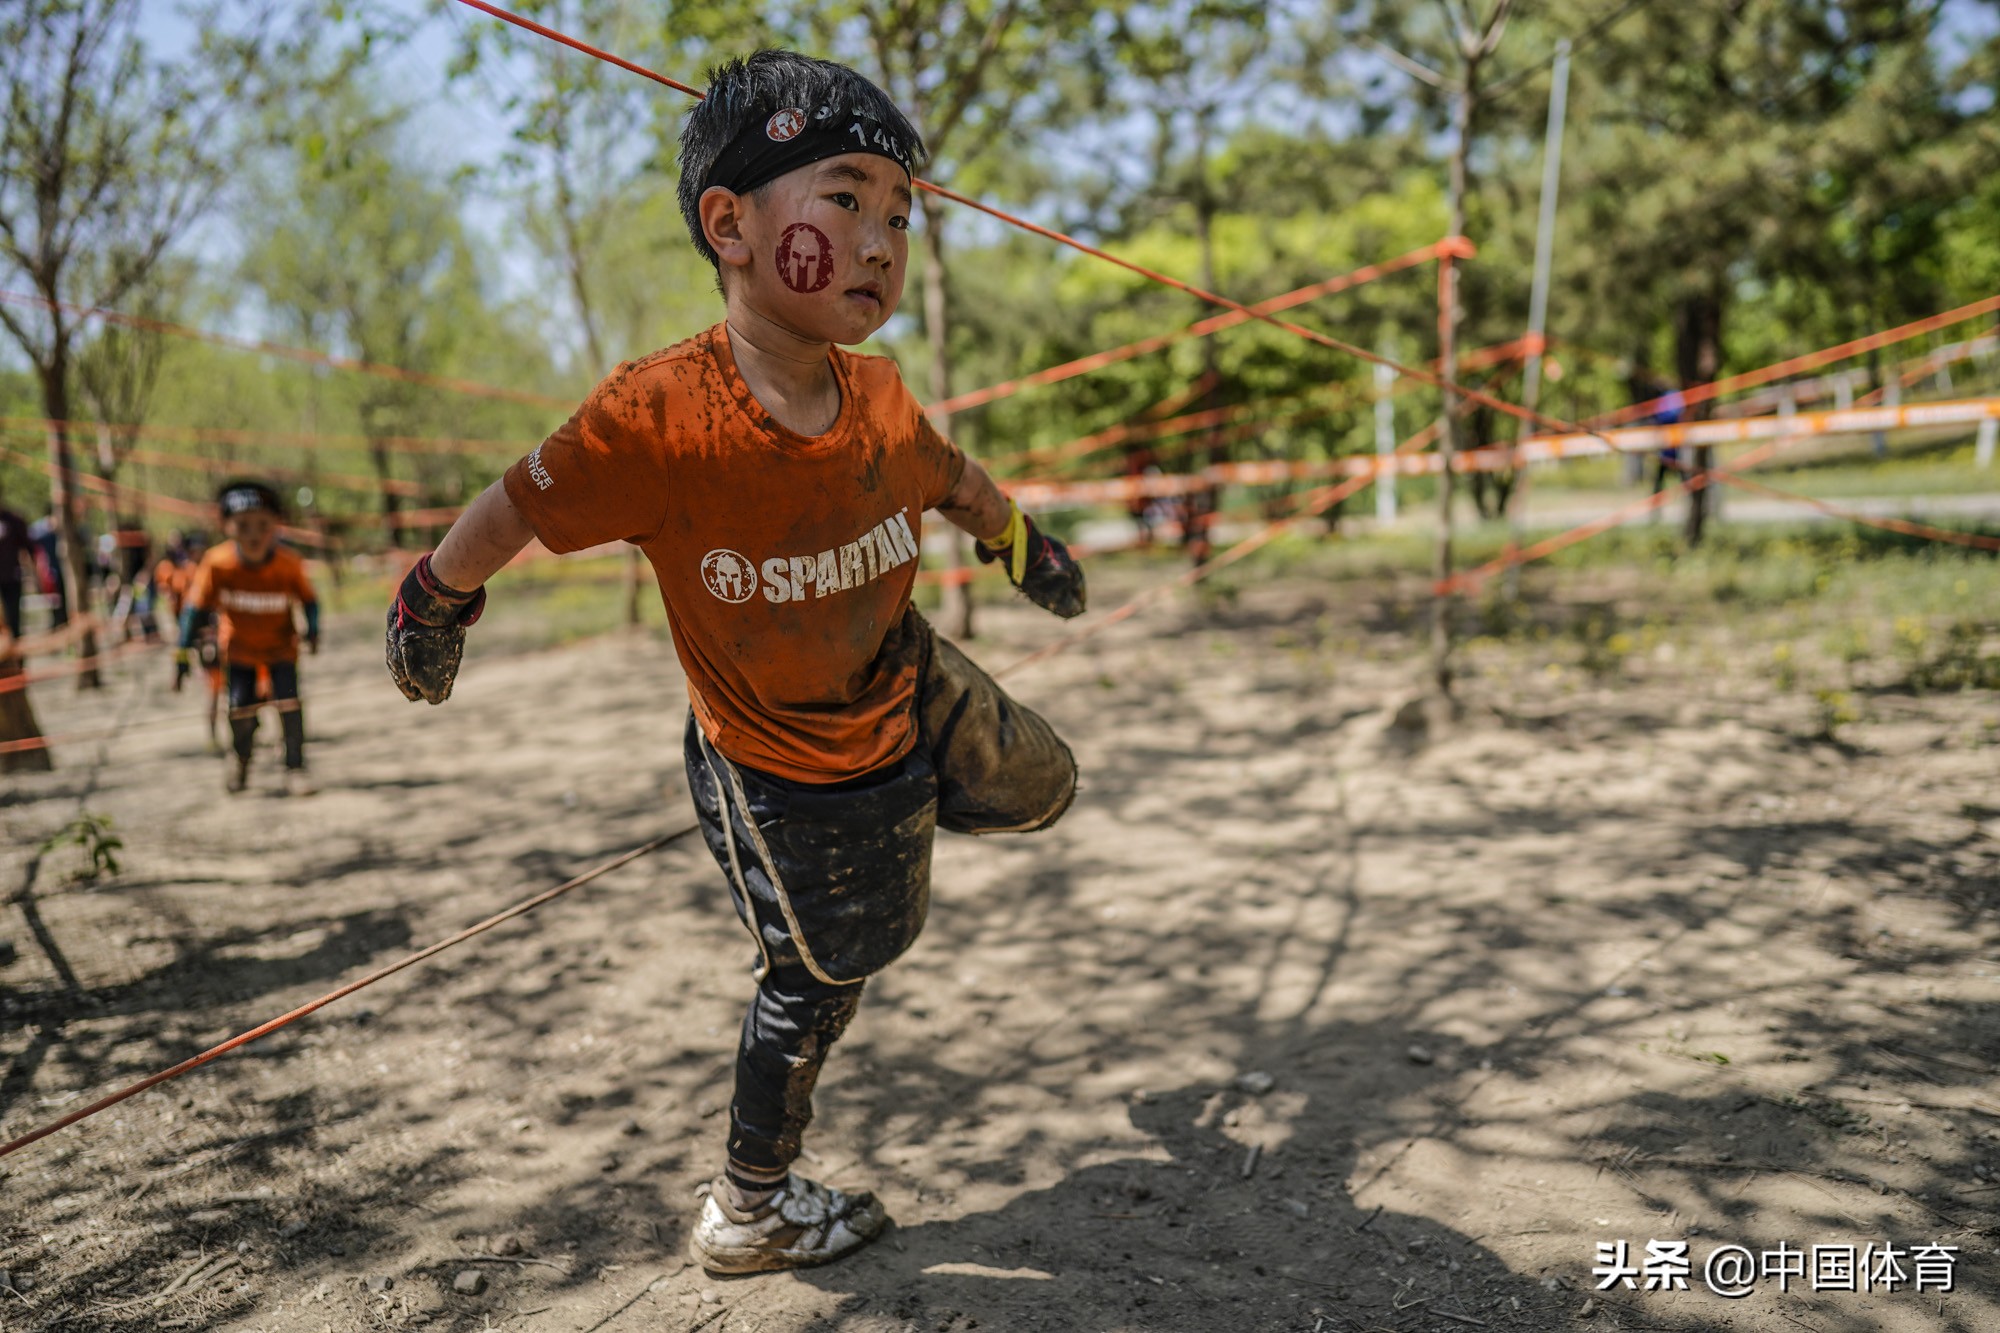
[[1736, 430], [302, 354]]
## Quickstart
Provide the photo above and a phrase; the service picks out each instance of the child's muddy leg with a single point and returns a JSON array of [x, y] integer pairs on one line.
[[242, 709], [291, 719], [792, 1022]]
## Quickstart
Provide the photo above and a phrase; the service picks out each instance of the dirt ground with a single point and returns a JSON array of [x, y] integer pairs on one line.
[[1299, 1020]]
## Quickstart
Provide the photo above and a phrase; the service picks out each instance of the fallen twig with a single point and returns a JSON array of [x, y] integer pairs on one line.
[[506, 1259]]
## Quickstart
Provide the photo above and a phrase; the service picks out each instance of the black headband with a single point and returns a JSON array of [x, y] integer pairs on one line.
[[791, 139], [242, 499]]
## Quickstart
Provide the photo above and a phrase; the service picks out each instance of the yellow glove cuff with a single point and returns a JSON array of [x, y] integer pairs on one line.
[[1014, 541]]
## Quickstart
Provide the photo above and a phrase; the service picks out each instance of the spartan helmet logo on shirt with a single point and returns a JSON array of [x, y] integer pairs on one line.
[[729, 575], [805, 258]]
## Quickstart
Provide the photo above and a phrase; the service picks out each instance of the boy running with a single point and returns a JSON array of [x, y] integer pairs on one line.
[[248, 583], [778, 483]]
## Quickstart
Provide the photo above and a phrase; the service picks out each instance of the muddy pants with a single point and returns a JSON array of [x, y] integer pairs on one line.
[[243, 708], [833, 879]]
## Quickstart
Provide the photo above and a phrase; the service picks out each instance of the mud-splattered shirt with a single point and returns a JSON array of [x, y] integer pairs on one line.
[[253, 603], [784, 560]]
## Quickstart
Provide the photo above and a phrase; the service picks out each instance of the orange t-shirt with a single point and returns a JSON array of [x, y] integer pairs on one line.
[[253, 603], [784, 560]]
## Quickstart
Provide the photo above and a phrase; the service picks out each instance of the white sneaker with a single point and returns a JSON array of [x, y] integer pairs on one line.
[[298, 784], [803, 1224]]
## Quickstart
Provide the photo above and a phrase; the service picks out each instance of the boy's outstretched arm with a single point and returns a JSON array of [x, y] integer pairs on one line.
[[1039, 565], [427, 623]]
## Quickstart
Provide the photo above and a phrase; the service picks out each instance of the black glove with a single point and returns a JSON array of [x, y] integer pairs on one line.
[[180, 668], [426, 635], [1037, 564]]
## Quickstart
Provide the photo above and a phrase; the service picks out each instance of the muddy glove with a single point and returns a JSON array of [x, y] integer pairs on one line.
[[426, 635], [180, 668], [1037, 564]]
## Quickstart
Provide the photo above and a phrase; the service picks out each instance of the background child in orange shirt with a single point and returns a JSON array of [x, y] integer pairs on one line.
[[249, 584], [778, 485]]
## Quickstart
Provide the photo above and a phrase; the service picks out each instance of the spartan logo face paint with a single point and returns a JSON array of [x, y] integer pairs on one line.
[[805, 258], [785, 125], [729, 575]]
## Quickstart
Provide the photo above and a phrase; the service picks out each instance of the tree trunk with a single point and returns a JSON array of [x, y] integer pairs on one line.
[[1199, 514], [378, 453], [1698, 352], [1441, 605], [17, 719], [633, 581], [71, 555], [956, 611]]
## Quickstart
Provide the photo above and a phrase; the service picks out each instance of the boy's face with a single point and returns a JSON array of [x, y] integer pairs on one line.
[[254, 531], [822, 249]]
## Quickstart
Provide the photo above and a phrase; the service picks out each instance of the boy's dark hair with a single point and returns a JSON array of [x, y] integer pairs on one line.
[[749, 91]]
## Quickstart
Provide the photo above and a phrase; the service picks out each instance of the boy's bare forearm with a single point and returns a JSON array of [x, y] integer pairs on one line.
[[486, 536], [976, 505]]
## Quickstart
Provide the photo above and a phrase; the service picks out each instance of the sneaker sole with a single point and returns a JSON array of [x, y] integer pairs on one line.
[[744, 1260]]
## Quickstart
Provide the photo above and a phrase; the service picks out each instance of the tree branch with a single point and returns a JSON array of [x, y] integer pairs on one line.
[[1416, 69]]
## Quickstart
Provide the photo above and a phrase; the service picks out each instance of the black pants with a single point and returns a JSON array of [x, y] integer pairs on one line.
[[10, 605], [243, 708], [833, 879]]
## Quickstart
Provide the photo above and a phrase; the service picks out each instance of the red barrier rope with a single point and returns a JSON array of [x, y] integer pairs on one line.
[[1317, 502], [117, 492], [302, 354], [1899, 525], [125, 493], [1096, 361], [1457, 246], [1700, 393], [1339, 395], [417, 444], [1470, 578], [23, 679], [411, 960]]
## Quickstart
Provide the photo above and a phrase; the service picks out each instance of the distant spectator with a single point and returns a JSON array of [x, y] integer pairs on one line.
[[16, 555]]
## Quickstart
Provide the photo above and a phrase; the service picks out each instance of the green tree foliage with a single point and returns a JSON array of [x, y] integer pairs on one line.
[[107, 156], [590, 178], [365, 252]]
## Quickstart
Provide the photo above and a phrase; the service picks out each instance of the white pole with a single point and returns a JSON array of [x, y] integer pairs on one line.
[[1989, 434], [1538, 295], [1385, 443], [1545, 228]]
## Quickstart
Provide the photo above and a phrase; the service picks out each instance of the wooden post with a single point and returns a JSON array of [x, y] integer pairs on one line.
[[1444, 601]]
